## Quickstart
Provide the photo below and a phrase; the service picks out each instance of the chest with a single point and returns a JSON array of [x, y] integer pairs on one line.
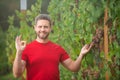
[[43, 56]]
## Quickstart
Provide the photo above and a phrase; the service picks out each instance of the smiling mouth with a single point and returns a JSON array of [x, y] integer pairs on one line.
[[43, 33]]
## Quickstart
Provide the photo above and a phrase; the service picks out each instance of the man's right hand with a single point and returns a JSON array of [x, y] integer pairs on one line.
[[20, 44]]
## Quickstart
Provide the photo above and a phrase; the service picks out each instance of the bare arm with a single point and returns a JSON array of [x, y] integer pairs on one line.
[[75, 65], [19, 64]]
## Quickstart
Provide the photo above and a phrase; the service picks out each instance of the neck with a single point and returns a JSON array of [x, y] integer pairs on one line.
[[42, 40]]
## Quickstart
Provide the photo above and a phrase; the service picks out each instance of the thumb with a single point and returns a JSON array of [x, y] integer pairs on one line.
[[90, 46]]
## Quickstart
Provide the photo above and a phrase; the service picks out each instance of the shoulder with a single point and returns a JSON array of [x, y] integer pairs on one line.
[[31, 44], [56, 46]]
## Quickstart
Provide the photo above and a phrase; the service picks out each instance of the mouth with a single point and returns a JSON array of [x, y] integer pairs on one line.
[[43, 35]]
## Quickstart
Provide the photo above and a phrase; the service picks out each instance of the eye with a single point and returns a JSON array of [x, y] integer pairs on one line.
[[39, 26], [45, 26]]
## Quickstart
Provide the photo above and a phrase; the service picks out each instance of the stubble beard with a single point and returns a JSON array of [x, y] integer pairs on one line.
[[43, 37]]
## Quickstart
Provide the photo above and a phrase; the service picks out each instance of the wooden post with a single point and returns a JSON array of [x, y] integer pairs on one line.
[[106, 37], [106, 34], [23, 12]]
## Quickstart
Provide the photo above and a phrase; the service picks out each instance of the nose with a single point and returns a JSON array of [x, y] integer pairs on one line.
[[42, 28]]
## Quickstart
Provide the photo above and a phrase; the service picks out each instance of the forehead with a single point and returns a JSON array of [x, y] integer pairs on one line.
[[43, 22]]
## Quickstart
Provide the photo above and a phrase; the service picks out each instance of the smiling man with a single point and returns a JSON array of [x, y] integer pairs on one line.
[[42, 57]]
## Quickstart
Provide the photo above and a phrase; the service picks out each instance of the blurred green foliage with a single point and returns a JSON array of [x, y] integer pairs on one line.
[[75, 23], [3, 58]]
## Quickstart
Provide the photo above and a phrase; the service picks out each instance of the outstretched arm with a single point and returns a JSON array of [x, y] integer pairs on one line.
[[75, 65], [19, 64]]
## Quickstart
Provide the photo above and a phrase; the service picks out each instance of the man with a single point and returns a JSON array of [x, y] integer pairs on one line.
[[41, 57]]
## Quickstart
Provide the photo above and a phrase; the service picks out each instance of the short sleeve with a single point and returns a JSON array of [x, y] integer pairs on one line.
[[64, 55]]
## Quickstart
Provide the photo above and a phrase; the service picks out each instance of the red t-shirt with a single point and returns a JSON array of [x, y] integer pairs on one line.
[[43, 60]]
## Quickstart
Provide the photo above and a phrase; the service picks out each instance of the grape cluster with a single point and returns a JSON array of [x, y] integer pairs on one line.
[[98, 36]]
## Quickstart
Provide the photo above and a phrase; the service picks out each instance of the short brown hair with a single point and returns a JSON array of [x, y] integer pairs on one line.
[[43, 17]]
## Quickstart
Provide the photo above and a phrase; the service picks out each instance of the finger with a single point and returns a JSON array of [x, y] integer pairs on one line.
[[17, 39], [23, 43], [90, 46], [20, 37], [87, 46]]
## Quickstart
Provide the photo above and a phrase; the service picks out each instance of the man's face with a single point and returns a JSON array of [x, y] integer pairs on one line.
[[42, 29]]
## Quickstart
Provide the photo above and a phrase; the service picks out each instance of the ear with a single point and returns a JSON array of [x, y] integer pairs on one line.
[[34, 27], [51, 29]]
